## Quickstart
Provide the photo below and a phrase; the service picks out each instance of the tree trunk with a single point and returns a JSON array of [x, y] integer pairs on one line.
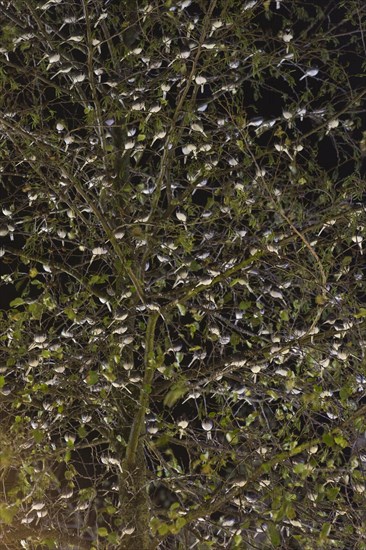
[[135, 504]]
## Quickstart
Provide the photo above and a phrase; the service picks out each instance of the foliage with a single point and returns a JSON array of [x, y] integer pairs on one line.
[[183, 320]]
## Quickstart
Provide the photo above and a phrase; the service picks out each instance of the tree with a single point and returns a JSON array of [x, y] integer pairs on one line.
[[183, 319]]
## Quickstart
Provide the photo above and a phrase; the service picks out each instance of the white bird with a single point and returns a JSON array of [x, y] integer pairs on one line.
[[257, 121], [310, 72], [197, 127]]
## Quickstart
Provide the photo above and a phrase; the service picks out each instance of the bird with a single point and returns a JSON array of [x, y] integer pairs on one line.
[[310, 72]]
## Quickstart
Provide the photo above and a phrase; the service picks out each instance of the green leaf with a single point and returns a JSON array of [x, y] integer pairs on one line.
[[70, 313], [299, 468], [274, 534], [325, 531], [92, 377], [102, 532], [332, 493], [346, 260], [328, 440], [290, 511], [7, 514], [182, 309], [163, 529], [113, 538], [341, 441], [245, 305], [235, 339], [345, 393], [361, 313], [284, 315], [97, 279], [180, 522], [238, 281], [37, 435], [50, 543], [49, 303], [177, 391], [82, 432], [36, 310], [238, 541], [17, 302]]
